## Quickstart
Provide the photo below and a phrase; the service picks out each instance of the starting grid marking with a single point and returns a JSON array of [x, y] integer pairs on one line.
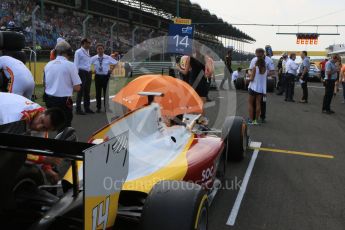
[[305, 154], [234, 212], [256, 146]]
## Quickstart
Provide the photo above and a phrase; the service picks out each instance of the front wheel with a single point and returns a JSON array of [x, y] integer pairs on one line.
[[173, 205], [235, 137]]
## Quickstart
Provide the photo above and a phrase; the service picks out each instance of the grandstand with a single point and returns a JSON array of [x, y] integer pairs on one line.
[[151, 17]]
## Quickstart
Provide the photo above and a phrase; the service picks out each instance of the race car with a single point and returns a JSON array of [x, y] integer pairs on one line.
[[184, 152], [84, 200], [137, 168]]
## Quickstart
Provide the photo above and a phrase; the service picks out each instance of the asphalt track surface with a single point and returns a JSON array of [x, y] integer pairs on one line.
[[285, 191]]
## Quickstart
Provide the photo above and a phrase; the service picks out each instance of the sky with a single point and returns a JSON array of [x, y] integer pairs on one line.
[[326, 12]]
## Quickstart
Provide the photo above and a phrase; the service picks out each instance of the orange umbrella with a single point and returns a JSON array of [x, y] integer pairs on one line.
[[179, 97]]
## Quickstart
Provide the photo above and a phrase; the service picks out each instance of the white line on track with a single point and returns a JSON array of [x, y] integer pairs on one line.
[[234, 212], [93, 100]]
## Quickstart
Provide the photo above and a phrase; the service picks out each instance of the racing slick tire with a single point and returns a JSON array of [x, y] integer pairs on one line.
[[235, 137], [10, 40], [20, 55], [270, 85], [175, 205], [240, 83]]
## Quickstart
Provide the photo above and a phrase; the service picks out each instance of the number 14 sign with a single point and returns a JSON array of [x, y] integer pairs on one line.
[[180, 39]]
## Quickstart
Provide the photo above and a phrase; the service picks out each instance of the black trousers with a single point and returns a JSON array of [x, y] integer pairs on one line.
[[329, 90], [86, 78], [65, 104], [305, 90], [282, 84], [101, 83], [227, 77], [208, 85], [263, 108], [290, 86]]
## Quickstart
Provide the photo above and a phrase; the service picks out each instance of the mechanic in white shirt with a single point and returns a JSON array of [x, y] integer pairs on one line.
[[18, 76], [102, 64], [291, 74], [260, 53], [82, 61], [60, 80]]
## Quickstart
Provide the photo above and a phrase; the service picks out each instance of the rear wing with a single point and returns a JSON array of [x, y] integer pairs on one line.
[[106, 162], [43, 146]]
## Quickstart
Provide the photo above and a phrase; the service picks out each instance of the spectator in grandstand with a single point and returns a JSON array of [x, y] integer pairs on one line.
[[257, 89], [60, 80], [260, 53], [291, 74], [102, 64], [304, 75], [19, 79], [227, 70], [82, 60], [331, 77]]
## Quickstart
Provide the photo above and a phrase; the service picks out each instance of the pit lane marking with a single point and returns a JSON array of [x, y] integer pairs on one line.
[[234, 212], [317, 155]]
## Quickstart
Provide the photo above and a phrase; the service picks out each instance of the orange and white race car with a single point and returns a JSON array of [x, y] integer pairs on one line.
[[137, 168]]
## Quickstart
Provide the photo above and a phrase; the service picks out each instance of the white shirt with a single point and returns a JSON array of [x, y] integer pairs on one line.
[[102, 64], [259, 84], [16, 71], [14, 108], [291, 67], [82, 59], [268, 60], [60, 76], [235, 75]]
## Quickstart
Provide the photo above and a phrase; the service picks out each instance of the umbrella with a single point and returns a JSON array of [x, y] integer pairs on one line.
[[179, 97]]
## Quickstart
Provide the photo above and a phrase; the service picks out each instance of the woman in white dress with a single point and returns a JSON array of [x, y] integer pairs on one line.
[[257, 89]]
